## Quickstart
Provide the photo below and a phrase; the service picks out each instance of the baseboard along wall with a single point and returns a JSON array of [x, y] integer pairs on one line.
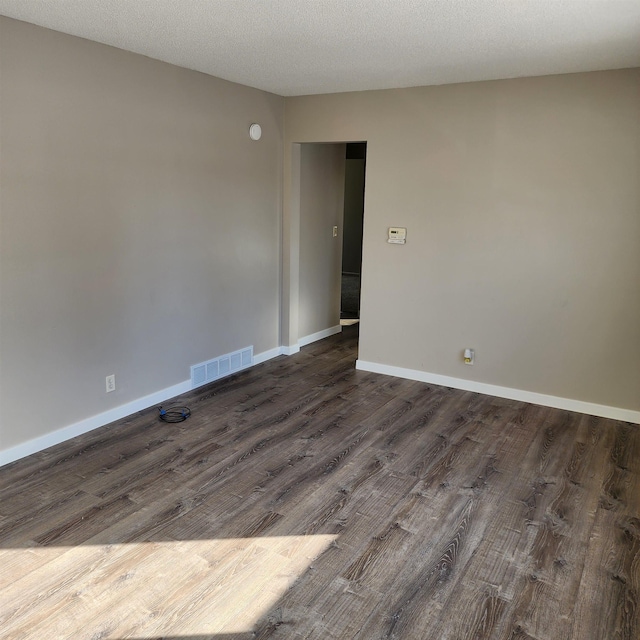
[[30, 447], [100, 420], [603, 411], [319, 335], [94, 422]]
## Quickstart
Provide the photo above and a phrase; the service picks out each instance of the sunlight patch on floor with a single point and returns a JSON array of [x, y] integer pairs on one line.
[[148, 589]]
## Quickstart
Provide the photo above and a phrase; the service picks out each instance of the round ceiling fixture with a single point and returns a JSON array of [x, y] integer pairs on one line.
[[255, 131]]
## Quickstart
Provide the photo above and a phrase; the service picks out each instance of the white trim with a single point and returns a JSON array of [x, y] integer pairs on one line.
[[267, 355], [319, 335], [94, 422], [615, 413], [313, 337], [89, 424], [290, 350]]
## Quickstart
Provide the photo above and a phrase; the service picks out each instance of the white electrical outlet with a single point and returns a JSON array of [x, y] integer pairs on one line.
[[469, 356], [111, 383]]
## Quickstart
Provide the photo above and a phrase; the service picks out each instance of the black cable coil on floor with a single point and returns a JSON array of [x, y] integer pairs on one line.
[[174, 414]]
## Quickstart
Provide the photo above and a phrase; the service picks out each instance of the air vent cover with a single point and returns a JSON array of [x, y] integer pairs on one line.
[[221, 366], [199, 374]]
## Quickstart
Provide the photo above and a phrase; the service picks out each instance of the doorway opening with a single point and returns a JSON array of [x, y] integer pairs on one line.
[[353, 219], [315, 221]]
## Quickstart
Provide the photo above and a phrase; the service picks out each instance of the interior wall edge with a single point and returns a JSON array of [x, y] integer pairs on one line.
[[555, 402], [508, 189], [35, 445]]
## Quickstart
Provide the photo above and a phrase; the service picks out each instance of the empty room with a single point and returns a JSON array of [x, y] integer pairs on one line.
[[197, 442]]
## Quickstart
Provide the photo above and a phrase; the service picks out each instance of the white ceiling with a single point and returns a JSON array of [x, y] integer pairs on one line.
[[297, 47]]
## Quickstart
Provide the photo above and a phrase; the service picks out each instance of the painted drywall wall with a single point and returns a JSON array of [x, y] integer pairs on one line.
[[140, 226], [322, 176], [521, 200]]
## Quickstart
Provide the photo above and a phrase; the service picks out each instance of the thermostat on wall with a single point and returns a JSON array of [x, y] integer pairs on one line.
[[397, 235]]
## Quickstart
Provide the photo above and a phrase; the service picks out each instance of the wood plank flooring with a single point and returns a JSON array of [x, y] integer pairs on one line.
[[306, 500]]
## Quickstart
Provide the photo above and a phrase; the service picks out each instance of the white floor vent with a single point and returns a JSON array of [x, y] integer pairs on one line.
[[220, 367]]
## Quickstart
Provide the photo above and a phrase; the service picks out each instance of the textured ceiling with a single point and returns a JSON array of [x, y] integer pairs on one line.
[[296, 47]]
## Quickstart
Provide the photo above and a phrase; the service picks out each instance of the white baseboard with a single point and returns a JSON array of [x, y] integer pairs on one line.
[[319, 335], [89, 424], [267, 355], [603, 411], [290, 350], [94, 422]]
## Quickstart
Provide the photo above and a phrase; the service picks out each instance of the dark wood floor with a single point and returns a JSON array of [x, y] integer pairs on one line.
[[304, 499]]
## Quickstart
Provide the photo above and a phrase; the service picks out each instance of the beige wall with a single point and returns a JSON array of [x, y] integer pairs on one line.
[[140, 226], [322, 174], [522, 204]]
